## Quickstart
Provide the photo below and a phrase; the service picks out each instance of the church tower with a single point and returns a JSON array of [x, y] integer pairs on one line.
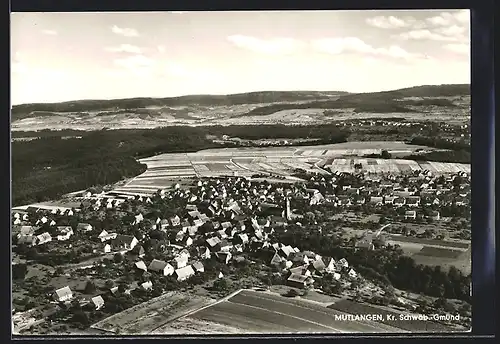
[[288, 212]]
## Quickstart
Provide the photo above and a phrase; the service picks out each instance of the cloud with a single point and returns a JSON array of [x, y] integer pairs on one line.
[[460, 48], [276, 46], [390, 22], [424, 35], [134, 61], [452, 31], [125, 48], [49, 32], [161, 48], [127, 32], [337, 46], [450, 18]]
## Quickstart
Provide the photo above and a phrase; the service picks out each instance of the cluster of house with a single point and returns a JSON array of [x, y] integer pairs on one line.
[[303, 267], [65, 294], [419, 189], [27, 234]]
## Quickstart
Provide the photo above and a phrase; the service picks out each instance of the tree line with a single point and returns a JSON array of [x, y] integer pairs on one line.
[[388, 265]]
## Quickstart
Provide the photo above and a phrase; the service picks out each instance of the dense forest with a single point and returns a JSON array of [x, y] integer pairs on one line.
[[389, 267], [461, 156], [50, 166]]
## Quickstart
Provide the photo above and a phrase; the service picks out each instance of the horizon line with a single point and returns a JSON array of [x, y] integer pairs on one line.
[[229, 94]]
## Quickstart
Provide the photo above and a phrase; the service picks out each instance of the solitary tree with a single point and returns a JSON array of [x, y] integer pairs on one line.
[[117, 258]]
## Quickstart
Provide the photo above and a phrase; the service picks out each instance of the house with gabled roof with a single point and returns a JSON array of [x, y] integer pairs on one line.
[[187, 241], [84, 227], [329, 264], [301, 270], [319, 266], [224, 257], [63, 294], [434, 215], [138, 251], [413, 201], [162, 267], [376, 200], [225, 245], [214, 243], [299, 281], [285, 251], [276, 260], [175, 221], [148, 285], [28, 240], [140, 265], [204, 252], [241, 239], [389, 199], [410, 214], [226, 225], [298, 257], [192, 230], [342, 263], [98, 302], [26, 231], [399, 201], [43, 238], [184, 273], [180, 261], [198, 266], [127, 242]]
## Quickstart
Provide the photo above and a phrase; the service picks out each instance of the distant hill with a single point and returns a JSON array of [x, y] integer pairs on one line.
[[232, 108], [46, 109], [377, 102]]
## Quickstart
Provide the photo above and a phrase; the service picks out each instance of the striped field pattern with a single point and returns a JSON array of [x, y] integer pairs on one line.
[[163, 170]]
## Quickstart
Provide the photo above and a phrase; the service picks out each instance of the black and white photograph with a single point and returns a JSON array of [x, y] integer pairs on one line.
[[240, 172]]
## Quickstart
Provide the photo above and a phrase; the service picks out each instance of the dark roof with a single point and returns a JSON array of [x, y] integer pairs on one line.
[[123, 239]]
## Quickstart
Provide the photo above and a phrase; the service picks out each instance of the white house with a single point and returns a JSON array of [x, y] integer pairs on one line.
[[126, 242], [184, 273], [162, 267], [63, 294], [180, 261], [98, 302], [43, 238]]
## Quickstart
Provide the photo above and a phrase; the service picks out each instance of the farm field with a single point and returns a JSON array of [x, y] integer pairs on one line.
[[459, 245], [436, 252], [263, 313], [462, 261], [148, 316], [279, 160]]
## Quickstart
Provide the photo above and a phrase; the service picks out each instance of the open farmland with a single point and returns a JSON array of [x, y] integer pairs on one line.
[[436, 252], [164, 169], [444, 258], [147, 316], [265, 313]]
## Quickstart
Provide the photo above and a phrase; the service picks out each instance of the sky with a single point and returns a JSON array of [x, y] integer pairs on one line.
[[70, 56]]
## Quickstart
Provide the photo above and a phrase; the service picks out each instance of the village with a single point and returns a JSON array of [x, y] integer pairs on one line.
[[216, 235]]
